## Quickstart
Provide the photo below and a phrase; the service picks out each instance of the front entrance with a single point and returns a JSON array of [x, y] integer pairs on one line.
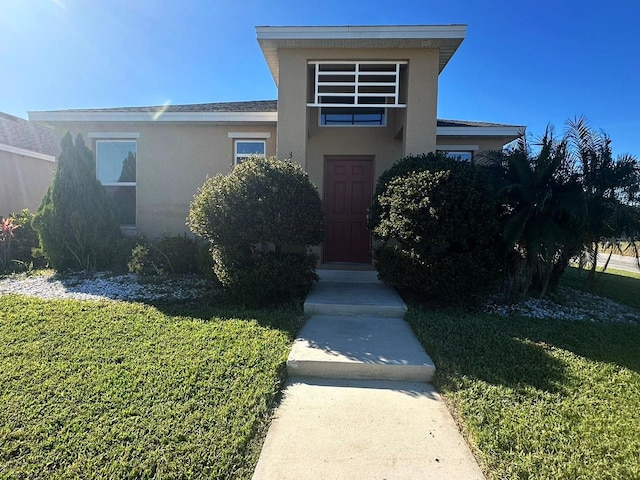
[[348, 190]]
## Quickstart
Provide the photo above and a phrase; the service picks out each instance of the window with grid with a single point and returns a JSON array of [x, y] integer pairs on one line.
[[116, 170]]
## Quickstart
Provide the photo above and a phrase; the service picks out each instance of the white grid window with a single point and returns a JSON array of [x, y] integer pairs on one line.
[[116, 170], [248, 148], [356, 84]]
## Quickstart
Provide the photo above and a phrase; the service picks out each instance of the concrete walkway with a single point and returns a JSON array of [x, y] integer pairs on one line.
[[358, 404]]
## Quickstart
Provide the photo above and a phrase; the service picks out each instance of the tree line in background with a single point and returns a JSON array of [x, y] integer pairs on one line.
[[444, 229]]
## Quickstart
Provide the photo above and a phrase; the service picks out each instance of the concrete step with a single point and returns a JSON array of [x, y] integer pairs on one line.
[[359, 348], [349, 299], [348, 276]]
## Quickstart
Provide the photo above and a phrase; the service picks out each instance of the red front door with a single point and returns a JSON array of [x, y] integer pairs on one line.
[[348, 190]]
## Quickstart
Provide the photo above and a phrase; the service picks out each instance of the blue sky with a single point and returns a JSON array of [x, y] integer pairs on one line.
[[522, 62]]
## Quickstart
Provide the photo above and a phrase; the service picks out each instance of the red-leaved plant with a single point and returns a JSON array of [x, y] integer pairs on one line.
[[6, 234]]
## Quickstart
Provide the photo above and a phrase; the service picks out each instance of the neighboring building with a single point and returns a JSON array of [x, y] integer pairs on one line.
[[351, 101], [28, 153]]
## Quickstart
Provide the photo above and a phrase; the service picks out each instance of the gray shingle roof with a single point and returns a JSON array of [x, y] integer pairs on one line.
[[246, 106], [249, 106], [468, 123], [20, 133]]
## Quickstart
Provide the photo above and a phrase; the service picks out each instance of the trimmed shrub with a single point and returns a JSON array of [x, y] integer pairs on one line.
[[25, 242], [169, 254], [77, 223], [436, 220], [260, 220]]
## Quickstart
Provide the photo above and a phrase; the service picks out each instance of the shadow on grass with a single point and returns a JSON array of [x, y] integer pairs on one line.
[[515, 352], [467, 345], [288, 317]]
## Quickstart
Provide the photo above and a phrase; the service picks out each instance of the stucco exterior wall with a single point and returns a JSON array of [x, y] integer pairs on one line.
[[409, 130], [23, 181], [173, 161]]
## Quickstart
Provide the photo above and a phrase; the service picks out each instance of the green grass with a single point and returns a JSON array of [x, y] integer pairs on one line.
[[540, 398], [117, 390], [618, 285]]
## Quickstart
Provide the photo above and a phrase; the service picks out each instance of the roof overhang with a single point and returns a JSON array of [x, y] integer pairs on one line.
[[501, 131], [97, 116], [27, 153], [446, 38]]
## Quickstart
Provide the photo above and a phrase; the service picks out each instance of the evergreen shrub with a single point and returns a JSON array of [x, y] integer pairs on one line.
[[260, 220], [436, 223], [77, 223]]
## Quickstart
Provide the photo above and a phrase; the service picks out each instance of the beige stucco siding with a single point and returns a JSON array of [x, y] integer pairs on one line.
[[173, 161], [376, 142], [23, 181], [409, 130]]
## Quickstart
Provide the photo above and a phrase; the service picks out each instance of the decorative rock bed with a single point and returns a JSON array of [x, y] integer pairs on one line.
[[568, 304], [105, 286]]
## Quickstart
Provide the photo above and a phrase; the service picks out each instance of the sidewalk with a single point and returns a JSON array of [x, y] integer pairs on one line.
[[357, 404]]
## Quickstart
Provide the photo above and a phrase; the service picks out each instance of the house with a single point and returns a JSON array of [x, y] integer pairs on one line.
[[351, 101], [28, 153]]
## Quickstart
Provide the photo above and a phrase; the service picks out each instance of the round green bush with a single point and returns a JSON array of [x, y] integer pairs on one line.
[[261, 220], [435, 220]]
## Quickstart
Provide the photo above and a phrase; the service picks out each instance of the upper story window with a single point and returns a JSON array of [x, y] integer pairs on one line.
[[116, 170], [464, 155], [342, 84], [352, 116], [247, 148]]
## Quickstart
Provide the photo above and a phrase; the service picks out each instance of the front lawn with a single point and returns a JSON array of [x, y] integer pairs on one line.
[[124, 390], [618, 285], [540, 398]]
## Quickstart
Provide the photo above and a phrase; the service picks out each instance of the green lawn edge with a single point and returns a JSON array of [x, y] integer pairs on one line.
[[127, 390]]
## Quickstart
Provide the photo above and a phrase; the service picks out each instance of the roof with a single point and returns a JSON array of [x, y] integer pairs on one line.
[[446, 38], [261, 111], [21, 136], [469, 123], [248, 106]]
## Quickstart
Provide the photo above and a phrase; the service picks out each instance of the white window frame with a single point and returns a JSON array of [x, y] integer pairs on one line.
[[123, 138], [239, 157], [356, 125], [117, 184], [447, 149], [358, 82]]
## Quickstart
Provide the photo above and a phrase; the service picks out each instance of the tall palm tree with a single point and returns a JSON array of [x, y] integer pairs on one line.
[[543, 210], [611, 188]]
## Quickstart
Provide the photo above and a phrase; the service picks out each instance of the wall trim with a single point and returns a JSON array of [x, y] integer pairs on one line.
[[480, 131], [458, 147], [259, 135], [113, 135], [97, 116], [27, 153]]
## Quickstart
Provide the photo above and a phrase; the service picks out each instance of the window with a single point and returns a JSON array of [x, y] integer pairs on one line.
[[247, 148], [352, 116], [464, 155], [356, 93], [116, 170]]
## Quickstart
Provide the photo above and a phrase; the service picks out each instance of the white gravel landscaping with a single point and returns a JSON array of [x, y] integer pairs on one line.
[[104, 286], [569, 304]]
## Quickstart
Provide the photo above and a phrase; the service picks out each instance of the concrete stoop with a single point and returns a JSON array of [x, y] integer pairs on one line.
[[357, 404], [372, 299], [359, 348]]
